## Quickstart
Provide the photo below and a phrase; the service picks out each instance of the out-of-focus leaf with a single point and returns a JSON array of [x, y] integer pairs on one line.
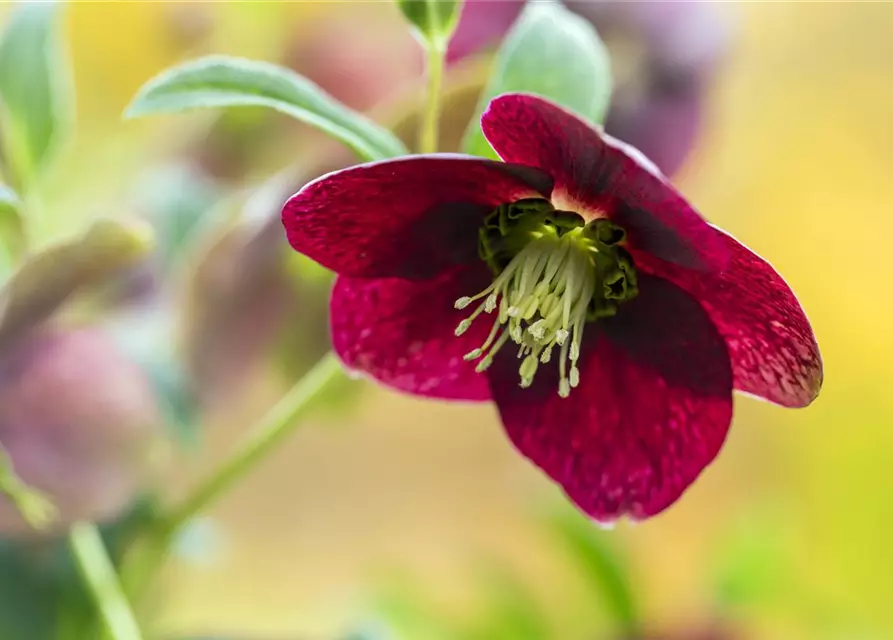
[[555, 54], [36, 88], [147, 336], [369, 631], [46, 279], [433, 21], [199, 541], [511, 611], [175, 199], [751, 564], [35, 507], [12, 230], [403, 608], [601, 566], [41, 595], [222, 81]]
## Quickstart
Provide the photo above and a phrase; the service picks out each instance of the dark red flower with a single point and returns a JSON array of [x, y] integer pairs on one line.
[[570, 284]]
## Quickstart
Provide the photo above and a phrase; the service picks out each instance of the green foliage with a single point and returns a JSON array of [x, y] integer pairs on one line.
[[553, 53], [511, 611], [222, 81], [36, 89], [147, 339], [13, 240], [600, 564], [433, 21], [177, 200], [41, 594]]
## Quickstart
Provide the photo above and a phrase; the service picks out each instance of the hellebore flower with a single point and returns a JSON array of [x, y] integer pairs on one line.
[[571, 285]]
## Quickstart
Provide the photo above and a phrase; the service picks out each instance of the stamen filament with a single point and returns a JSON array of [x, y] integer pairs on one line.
[[549, 289]]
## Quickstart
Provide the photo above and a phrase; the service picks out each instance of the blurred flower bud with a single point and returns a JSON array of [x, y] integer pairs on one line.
[[188, 24], [664, 56], [251, 304], [49, 278], [237, 299], [358, 54], [78, 421]]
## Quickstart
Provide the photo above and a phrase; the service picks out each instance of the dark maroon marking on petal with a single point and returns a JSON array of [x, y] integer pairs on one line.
[[400, 332], [773, 349], [411, 217], [598, 175], [651, 412]]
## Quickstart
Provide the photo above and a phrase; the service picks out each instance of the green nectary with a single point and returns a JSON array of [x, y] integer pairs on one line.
[[553, 273]]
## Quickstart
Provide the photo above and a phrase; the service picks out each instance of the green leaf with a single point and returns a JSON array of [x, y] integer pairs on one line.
[[600, 565], [149, 340], [511, 609], [222, 81], [41, 594], [177, 200], [36, 88], [433, 20], [555, 54], [12, 229]]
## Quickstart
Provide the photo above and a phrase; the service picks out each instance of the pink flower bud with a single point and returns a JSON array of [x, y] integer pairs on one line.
[[78, 421]]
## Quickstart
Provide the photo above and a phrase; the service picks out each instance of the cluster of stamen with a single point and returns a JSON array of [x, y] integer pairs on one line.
[[554, 273]]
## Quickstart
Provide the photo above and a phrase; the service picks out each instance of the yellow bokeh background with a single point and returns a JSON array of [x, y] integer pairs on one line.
[[796, 161]]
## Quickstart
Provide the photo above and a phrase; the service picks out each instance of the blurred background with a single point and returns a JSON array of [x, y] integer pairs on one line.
[[386, 516]]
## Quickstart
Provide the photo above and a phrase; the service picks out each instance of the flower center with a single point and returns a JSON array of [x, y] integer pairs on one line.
[[554, 273]]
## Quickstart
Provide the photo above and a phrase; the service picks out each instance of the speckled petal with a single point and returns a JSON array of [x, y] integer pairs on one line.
[[651, 412], [597, 175], [773, 349], [411, 217], [401, 332]]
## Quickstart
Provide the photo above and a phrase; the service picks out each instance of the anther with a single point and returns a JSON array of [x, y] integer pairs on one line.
[[564, 388], [463, 326]]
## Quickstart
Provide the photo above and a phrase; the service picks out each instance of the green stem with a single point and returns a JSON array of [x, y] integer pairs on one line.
[[101, 580], [276, 426], [35, 507], [429, 137]]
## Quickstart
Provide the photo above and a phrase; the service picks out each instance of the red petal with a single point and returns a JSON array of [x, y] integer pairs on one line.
[[411, 217], [771, 343], [597, 175], [400, 332], [651, 412]]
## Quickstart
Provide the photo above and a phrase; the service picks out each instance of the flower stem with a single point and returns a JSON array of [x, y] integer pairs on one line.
[[35, 507], [429, 137], [101, 580], [273, 428]]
